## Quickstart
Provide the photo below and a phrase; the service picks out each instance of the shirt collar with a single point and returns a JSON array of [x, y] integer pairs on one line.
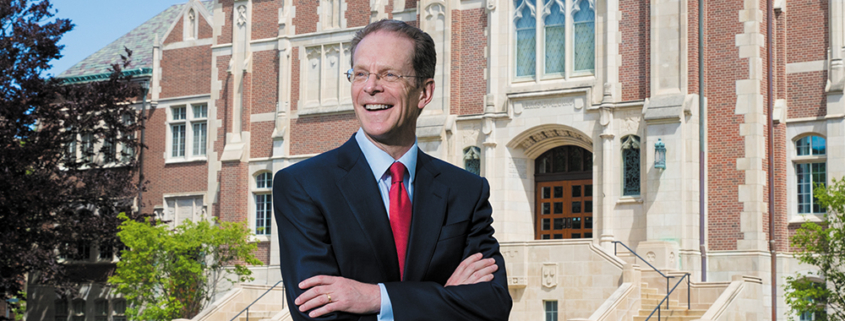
[[380, 161]]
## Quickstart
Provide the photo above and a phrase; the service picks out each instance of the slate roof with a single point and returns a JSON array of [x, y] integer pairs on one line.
[[140, 40]]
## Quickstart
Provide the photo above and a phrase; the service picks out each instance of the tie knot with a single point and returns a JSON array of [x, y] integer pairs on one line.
[[397, 172]]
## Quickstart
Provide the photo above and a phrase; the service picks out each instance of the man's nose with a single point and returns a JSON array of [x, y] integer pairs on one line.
[[372, 85]]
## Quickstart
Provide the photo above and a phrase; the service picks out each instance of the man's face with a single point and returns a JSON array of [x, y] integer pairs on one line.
[[388, 111]]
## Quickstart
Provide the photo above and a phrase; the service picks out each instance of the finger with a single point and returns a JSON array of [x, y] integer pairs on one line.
[[482, 274], [311, 294], [475, 267], [468, 266], [322, 310], [316, 302], [315, 280]]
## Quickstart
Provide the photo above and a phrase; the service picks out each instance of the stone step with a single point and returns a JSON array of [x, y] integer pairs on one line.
[[667, 318], [653, 303], [255, 315], [674, 312]]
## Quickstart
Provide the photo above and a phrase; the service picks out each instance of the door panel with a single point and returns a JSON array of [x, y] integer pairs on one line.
[[564, 209]]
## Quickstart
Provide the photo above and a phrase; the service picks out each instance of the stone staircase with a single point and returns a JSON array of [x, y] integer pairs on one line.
[[651, 297], [256, 315]]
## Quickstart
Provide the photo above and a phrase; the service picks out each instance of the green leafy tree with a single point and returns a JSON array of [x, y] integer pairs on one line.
[[822, 245], [166, 273]]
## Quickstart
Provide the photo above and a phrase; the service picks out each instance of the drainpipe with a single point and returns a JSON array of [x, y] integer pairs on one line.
[[146, 86], [770, 16], [701, 143]]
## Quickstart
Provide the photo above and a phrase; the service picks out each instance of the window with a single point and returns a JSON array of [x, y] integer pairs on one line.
[[119, 310], [330, 14], [631, 165], [106, 249], [101, 310], [88, 147], [263, 203], [127, 153], [810, 170], [61, 310], [78, 310], [472, 160], [83, 251], [567, 38], [188, 131], [551, 310]]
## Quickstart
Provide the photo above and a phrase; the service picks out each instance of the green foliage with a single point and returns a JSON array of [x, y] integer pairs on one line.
[[166, 274], [20, 309], [823, 246]]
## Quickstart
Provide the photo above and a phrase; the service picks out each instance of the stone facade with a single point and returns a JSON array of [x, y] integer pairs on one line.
[[271, 75]]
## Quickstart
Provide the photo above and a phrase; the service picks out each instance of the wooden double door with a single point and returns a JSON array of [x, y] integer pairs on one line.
[[564, 209]]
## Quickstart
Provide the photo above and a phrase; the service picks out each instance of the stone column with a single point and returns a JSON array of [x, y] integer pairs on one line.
[[607, 169]]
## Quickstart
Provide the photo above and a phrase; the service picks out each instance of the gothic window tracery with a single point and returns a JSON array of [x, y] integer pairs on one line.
[[631, 165]]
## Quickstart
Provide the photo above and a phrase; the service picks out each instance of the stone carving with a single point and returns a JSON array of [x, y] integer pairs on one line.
[[435, 10], [549, 103], [241, 15], [551, 133], [629, 124], [651, 257], [671, 259], [549, 275], [470, 136]]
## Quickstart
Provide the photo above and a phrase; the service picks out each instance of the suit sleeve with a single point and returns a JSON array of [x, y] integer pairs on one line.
[[304, 244], [481, 301]]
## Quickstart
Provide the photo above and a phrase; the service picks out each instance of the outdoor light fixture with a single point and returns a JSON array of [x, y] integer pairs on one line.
[[659, 154]]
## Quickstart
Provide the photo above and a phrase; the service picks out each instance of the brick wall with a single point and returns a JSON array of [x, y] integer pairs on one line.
[[725, 145], [234, 192], [692, 47], [317, 134], [634, 74], [357, 13], [265, 18], [262, 253], [468, 63], [307, 16], [261, 142], [264, 75], [808, 42], [294, 78], [223, 103], [186, 71], [175, 33], [805, 92], [204, 30], [226, 29]]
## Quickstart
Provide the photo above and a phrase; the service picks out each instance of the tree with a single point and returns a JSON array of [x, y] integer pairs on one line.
[[168, 273], [52, 199], [822, 245]]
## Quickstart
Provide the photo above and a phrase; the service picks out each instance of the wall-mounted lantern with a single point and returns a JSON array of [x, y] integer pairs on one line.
[[659, 154]]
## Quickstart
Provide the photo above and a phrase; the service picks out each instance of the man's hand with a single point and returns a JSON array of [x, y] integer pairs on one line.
[[333, 293], [474, 269]]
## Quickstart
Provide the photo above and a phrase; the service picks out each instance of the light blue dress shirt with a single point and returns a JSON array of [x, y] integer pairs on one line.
[[380, 163]]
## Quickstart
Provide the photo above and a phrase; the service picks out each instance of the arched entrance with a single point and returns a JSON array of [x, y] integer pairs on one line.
[[563, 178]]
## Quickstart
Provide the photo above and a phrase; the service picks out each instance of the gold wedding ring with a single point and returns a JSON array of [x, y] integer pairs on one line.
[[330, 297]]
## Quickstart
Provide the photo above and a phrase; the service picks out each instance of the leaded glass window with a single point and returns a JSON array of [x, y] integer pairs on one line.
[[630, 165], [526, 37], [564, 159], [263, 203], [472, 160], [810, 171], [566, 29]]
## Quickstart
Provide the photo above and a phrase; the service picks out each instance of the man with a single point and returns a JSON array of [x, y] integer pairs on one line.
[[377, 228]]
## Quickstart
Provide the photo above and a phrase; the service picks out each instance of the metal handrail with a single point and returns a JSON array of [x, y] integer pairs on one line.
[[657, 308], [253, 302], [686, 275]]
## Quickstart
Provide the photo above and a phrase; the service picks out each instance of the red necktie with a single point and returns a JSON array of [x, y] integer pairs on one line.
[[400, 212]]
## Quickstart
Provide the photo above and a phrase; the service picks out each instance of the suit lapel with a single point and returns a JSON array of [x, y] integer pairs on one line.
[[428, 216], [361, 192]]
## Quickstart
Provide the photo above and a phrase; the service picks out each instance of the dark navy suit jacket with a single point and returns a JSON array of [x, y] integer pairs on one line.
[[331, 221]]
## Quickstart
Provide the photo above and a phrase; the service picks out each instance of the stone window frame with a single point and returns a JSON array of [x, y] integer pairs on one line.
[[792, 178], [631, 142], [550, 310], [61, 309], [101, 312], [521, 7], [170, 213], [78, 308], [338, 18], [812, 158], [118, 309], [84, 139], [264, 191], [325, 101], [190, 118]]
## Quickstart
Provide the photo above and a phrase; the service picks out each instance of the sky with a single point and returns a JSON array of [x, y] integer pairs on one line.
[[98, 23]]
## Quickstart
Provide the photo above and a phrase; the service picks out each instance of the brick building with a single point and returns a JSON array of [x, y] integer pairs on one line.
[[558, 103]]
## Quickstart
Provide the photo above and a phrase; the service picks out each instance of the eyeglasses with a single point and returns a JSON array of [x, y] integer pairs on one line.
[[360, 76]]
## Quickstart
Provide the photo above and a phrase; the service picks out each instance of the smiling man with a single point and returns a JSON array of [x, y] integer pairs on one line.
[[377, 229]]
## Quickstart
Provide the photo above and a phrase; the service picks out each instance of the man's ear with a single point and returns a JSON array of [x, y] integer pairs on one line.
[[426, 93]]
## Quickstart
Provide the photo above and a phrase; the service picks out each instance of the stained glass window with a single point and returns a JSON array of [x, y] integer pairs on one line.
[[526, 38], [630, 165], [472, 160], [555, 23], [585, 36]]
